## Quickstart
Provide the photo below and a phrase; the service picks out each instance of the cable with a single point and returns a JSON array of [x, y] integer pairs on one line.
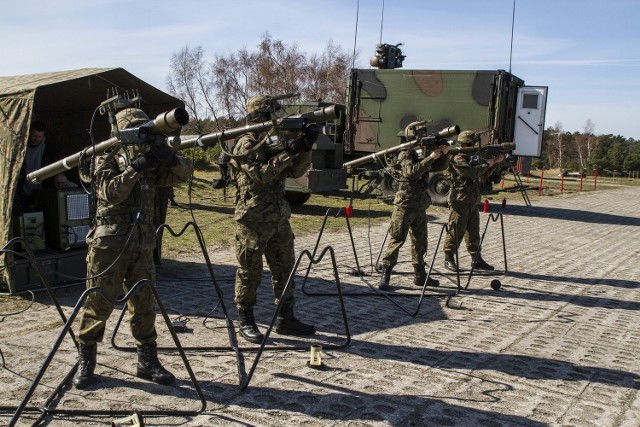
[[33, 297]]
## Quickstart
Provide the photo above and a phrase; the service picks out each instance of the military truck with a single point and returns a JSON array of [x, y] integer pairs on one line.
[[382, 101]]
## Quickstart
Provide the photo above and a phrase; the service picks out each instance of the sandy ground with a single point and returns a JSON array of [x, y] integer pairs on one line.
[[557, 345]]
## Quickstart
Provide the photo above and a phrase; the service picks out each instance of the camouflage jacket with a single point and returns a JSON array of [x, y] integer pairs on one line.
[[465, 177], [260, 179], [414, 177], [125, 201]]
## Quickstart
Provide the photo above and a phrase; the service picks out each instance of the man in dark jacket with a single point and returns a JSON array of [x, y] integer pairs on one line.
[[38, 155]]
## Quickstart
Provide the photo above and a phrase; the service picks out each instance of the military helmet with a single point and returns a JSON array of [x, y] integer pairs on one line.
[[261, 105], [467, 138], [414, 130], [130, 117]]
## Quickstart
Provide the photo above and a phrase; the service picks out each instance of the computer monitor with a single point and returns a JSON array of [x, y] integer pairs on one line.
[[67, 217]]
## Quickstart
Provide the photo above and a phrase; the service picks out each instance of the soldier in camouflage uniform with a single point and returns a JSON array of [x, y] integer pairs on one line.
[[410, 203], [121, 244], [260, 164], [465, 174]]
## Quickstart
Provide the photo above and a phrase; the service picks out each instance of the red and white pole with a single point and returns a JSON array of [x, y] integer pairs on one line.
[[541, 180]]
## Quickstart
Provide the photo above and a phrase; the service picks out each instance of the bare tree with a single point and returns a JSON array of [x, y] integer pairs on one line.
[[556, 150], [219, 89], [231, 74], [277, 67], [592, 140], [186, 69], [325, 75], [583, 142]]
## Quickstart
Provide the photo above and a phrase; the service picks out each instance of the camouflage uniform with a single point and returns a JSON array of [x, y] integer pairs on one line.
[[262, 218], [464, 176], [410, 203], [259, 166], [123, 232], [121, 244]]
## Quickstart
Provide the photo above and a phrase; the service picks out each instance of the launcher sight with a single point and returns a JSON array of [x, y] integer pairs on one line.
[[156, 131]]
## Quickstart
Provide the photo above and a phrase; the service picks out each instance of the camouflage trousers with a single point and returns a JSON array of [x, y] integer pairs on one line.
[[407, 221], [274, 240], [464, 222], [131, 266]]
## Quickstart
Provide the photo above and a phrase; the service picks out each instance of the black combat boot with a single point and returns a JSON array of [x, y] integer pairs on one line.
[[420, 277], [480, 264], [450, 262], [86, 365], [248, 328], [383, 285], [149, 366], [287, 324]]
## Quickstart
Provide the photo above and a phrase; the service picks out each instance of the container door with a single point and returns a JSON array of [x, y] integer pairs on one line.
[[529, 120]]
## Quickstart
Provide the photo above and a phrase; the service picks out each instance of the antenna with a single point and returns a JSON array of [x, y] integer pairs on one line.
[[381, 21], [355, 37], [513, 18]]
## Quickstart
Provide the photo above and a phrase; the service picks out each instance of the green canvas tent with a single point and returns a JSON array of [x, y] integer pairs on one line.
[[67, 102]]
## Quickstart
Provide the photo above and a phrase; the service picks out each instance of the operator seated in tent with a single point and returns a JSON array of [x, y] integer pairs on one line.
[[39, 154]]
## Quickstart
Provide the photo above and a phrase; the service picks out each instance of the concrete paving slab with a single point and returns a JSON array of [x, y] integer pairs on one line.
[[557, 345]]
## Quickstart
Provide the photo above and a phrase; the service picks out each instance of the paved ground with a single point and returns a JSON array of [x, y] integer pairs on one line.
[[557, 345]]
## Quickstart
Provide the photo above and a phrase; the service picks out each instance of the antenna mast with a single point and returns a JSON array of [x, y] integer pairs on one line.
[[513, 19], [381, 21], [355, 36]]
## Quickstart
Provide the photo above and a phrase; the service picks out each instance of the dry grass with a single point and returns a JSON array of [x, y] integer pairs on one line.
[[551, 183], [212, 212]]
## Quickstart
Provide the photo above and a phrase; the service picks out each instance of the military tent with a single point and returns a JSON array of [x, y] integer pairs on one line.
[[68, 103]]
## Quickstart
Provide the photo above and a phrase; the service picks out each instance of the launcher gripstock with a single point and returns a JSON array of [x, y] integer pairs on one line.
[[485, 150], [321, 115], [428, 142], [164, 123]]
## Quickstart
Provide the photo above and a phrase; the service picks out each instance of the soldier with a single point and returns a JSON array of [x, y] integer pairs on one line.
[[223, 164], [464, 175], [259, 165], [39, 153], [409, 210], [121, 244]]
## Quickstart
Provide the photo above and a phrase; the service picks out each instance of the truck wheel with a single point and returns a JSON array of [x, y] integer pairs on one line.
[[296, 198], [388, 187], [438, 189]]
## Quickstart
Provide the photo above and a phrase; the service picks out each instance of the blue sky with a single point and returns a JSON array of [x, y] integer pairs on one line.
[[586, 51]]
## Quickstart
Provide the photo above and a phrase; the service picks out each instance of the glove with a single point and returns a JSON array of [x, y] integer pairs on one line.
[[145, 162], [475, 160], [311, 133], [164, 153], [295, 146]]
